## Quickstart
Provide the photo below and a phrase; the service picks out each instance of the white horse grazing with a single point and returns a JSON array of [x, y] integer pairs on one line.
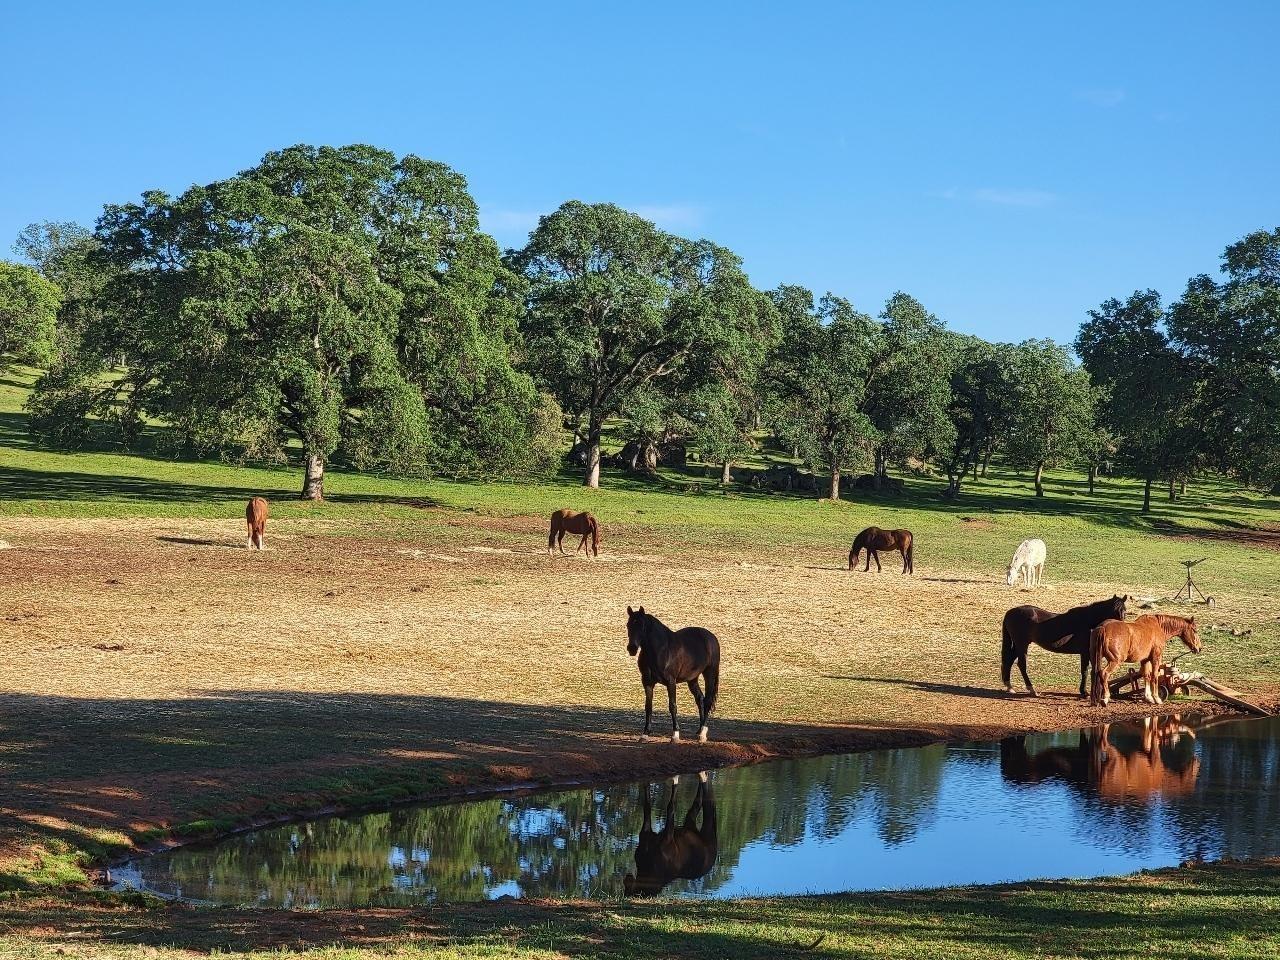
[[1027, 562]]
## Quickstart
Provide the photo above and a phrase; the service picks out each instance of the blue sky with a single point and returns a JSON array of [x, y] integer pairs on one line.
[[1009, 164]]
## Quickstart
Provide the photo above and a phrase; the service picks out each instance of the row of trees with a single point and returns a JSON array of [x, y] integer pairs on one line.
[[346, 300]]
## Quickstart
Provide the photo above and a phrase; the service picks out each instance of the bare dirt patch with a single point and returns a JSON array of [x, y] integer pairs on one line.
[[154, 676]]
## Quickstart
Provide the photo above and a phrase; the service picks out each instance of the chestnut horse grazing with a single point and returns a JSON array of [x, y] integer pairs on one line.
[[255, 518], [1058, 632], [670, 657], [873, 540], [686, 852], [1142, 641], [570, 521]]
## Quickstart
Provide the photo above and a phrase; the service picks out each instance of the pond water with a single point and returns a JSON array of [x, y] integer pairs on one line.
[[1095, 802]]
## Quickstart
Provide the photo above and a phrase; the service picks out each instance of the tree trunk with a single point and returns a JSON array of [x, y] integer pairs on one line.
[[649, 457], [726, 477], [1093, 475], [986, 458], [313, 480], [835, 483], [1146, 496], [1182, 487], [1040, 479], [593, 456], [1173, 493]]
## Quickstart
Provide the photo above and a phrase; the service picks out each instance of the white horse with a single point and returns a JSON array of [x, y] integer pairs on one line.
[[1028, 562]]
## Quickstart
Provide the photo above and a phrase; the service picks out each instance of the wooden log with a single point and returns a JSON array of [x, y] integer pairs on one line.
[[1227, 695]]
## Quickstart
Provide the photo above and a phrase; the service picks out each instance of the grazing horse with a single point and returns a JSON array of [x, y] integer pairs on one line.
[[570, 521], [255, 518], [1027, 562], [670, 657], [1059, 632], [687, 852], [873, 540], [1142, 642]]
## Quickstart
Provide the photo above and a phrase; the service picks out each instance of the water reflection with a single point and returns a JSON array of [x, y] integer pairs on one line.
[[1138, 761], [684, 852], [1105, 800]]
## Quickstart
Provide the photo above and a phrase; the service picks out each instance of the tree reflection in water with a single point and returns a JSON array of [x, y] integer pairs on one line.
[[888, 817]]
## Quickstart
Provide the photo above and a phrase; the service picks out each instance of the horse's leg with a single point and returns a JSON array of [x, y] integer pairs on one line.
[[648, 707], [867, 568], [248, 544], [560, 540], [876, 554], [1156, 660], [1084, 672], [675, 724], [904, 560], [697, 698], [1022, 668]]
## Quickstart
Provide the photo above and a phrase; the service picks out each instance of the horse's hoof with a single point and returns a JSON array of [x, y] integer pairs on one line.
[[1009, 689], [675, 737], [702, 735]]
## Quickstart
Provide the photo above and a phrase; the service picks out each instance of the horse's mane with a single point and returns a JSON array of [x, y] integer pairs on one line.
[[1170, 622]]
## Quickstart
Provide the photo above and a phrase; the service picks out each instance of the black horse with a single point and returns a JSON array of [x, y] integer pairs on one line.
[[670, 657], [686, 852], [1058, 632]]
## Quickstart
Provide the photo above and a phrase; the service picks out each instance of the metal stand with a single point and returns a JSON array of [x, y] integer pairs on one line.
[[1190, 588]]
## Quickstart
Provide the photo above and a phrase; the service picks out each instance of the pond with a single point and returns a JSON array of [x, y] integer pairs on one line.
[[1094, 802]]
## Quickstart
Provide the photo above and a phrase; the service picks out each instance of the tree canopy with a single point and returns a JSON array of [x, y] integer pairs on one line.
[[28, 314]]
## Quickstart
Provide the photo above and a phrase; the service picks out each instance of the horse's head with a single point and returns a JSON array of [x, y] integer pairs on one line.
[[1189, 635], [1011, 576], [637, 629], [1118, 606]]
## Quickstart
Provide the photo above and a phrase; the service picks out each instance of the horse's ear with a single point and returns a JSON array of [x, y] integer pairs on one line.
[[1191, 619], [642, 610], [630, 612]]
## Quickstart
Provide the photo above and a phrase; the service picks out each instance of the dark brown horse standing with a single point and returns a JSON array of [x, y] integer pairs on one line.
[[671, 657], [570, 521], [255, 519], [1142, 642], [873, 540], [1057, 632], [686, 852]]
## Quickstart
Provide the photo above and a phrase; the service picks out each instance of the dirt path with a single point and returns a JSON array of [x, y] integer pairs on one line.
[[158, 673]]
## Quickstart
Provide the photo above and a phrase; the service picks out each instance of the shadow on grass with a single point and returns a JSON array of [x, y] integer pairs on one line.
[[1222, 909]]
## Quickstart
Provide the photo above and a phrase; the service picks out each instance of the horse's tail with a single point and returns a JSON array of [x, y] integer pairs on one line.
[[1096, 680], [595, 537], [711, 676], [1008, 652], [551, 537]]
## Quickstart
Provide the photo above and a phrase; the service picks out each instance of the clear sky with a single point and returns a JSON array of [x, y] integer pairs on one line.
[[1009, 164]]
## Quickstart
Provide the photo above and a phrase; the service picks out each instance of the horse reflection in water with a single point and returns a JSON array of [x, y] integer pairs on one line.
[[685, 852], [1118, 761]]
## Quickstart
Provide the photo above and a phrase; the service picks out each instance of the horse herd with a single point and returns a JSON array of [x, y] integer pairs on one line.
[[1097, 633]]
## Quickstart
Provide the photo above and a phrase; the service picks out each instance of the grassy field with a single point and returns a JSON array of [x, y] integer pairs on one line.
[[1229, 911], [413, 639]]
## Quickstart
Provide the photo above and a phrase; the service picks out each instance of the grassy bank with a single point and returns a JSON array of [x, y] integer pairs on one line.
[[1230, 911]]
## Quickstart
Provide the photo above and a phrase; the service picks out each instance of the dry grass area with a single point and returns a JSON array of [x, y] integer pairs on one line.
[[156, 673]]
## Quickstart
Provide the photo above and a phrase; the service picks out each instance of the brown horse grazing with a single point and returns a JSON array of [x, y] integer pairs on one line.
[[687, 852], [873, 540], [1142, 642], [570, 521], [1059, 632], [670, 657], [255, 518]]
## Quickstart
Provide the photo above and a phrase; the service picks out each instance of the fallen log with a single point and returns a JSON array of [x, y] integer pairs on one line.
[[1173, 681], [1227, 695]]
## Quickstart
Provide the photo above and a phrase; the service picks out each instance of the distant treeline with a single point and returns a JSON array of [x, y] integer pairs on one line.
[[346, 299]]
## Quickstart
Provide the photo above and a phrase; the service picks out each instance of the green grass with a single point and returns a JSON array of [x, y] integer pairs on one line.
[[1229, 911]]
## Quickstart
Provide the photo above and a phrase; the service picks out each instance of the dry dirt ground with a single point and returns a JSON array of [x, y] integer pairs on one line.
[[156, 673]]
